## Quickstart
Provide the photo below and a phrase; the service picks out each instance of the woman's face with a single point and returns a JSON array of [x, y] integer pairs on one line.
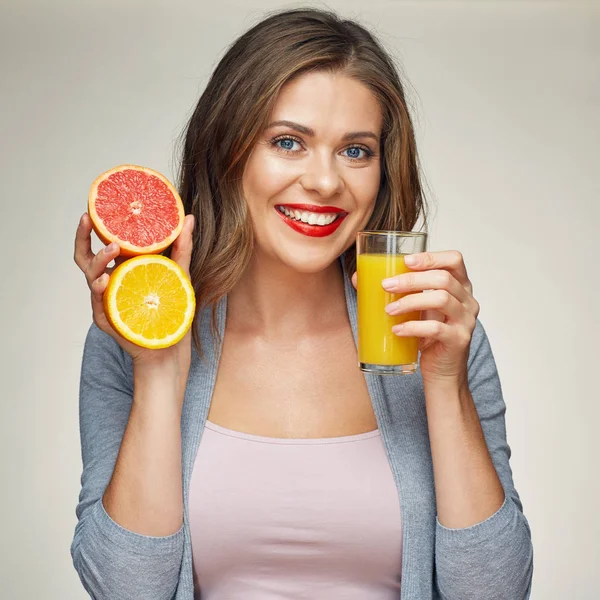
[[320, 151]]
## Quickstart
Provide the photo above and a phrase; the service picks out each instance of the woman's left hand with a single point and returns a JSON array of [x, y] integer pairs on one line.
[[437, 285]]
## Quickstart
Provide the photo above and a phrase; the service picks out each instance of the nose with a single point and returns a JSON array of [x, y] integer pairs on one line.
[[322, 176]]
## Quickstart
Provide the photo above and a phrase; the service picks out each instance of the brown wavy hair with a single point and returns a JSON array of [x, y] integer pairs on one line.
[[235, 108]]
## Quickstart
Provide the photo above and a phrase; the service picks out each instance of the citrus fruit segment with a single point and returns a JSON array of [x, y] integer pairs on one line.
[[137, 208], [150, 301]]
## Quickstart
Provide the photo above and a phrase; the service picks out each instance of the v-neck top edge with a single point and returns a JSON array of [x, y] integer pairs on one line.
[[295, 441]]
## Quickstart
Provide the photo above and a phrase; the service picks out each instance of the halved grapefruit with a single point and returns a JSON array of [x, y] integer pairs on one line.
[[150, 301], [136, 207]]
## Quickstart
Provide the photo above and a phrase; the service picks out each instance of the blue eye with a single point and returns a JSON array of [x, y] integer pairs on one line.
[[286, 144], [354, 152]]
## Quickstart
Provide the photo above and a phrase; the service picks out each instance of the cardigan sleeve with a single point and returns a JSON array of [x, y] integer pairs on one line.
[[492, 559], [113, 563]]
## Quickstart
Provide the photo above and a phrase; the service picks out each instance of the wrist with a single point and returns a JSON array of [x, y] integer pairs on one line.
[[166, 375], [457, 387]]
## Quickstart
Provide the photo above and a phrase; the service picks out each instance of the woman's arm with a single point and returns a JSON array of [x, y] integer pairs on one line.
[[483, 540], [467, 487], [145, 491], [131, 546]]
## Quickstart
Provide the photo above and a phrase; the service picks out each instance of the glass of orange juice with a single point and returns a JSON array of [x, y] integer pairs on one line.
[[380, 254]]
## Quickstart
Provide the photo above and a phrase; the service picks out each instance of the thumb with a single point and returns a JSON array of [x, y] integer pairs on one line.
[[355, 280]]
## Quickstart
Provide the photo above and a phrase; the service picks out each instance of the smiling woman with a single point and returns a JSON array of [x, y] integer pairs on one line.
[[260, 462], [329, 113]]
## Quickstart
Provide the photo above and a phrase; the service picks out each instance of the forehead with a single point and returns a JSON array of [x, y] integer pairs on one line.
[[328, 103]]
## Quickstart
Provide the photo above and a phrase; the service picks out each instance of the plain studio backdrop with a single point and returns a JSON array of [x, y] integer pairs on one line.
[[505, 98]]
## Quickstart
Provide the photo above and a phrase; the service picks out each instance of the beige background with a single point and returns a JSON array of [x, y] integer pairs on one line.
[[507, 97]]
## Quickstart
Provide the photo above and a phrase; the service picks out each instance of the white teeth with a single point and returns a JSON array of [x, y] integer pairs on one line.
[[308, 217]]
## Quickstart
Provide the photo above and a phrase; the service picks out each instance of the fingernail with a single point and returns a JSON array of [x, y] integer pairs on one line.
[[388, 284], [389, 309], [110, 248], [411, 260]]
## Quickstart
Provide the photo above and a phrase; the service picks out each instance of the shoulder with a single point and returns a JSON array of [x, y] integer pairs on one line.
[[99, 342], [484, 380], [480, 349], [101, 353]]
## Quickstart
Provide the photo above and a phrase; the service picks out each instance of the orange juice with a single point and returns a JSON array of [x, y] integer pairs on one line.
[[377, 344]]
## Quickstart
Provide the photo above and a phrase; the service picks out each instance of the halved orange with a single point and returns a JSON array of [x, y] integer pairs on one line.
[[136, 207], [150, 301]]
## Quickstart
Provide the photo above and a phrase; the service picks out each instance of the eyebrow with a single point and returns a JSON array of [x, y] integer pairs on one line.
[[352, 135]]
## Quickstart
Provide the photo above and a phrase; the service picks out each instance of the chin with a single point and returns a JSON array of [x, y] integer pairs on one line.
[[301, 253], [303, 259], [308, 262]]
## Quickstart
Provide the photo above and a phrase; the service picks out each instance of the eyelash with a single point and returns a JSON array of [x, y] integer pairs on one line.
[[369, 153]]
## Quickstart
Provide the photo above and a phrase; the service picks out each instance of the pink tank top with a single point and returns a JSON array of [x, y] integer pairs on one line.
[[274, 518]]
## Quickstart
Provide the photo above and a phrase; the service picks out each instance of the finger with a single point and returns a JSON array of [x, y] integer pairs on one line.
[[449, 335], [355, 280], [451, 260], [118, 261], [98, 264], [83, 242], [98, 286], [439, 300], [182, 247], [432, 315], [416, 281]]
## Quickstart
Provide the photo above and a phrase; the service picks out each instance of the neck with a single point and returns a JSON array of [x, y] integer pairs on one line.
[[275, 301]]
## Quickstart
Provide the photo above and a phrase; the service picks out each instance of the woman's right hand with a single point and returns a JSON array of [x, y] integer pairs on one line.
[[96, 271]]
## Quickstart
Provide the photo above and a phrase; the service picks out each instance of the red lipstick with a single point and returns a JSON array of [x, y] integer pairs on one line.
[[313, 230]]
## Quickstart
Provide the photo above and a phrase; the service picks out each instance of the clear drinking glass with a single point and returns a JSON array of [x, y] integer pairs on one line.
[[380, 254]]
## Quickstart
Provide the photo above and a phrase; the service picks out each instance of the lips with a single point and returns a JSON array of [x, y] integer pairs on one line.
[[313, 230]]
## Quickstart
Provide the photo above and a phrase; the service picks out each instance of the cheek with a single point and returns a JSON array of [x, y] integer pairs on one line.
[[265, 176], [365, 187]]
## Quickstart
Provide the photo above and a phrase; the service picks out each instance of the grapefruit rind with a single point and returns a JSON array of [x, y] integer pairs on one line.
[[128, 249], [112, 312]]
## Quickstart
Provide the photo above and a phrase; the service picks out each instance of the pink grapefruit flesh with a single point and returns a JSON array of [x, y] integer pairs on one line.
[[136, 207]]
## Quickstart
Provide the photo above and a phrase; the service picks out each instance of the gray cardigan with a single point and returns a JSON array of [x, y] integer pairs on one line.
[[492, 560]]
